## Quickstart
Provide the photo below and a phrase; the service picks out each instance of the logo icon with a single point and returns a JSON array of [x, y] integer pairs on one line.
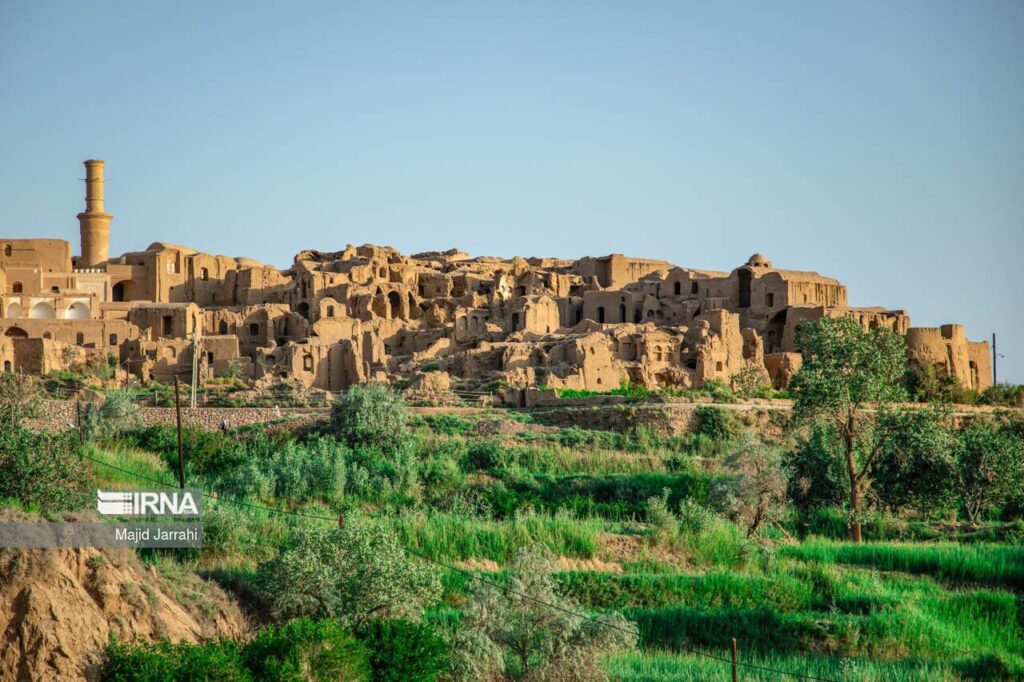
[[148, 503]]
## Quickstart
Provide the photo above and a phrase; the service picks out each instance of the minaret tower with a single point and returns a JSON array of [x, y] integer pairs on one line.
[[94, 223]]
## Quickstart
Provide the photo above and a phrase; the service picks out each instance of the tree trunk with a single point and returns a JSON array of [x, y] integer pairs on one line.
[[851, 467]]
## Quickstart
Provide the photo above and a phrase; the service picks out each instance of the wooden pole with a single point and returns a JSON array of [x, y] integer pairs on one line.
[[735, 672], [78, 414], [995, 361], [181, 445]]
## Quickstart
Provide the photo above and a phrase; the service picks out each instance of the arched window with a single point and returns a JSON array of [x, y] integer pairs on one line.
[[47, 335], [204, 274], [7, 363], [113, 339], [694, 288], [678, 288], [8, 250], [223, 328], [42, 311], [13, 309], [77, 311], [307, 363], [330, 311], [17, 288]]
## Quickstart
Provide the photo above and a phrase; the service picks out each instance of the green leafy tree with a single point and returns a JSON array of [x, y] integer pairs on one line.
[[914, 469], [849, 378], [353, 573], [511, 634], [989, 466], [374, 414]]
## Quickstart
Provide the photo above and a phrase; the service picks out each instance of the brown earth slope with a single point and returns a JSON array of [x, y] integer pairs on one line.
[[58, 608]]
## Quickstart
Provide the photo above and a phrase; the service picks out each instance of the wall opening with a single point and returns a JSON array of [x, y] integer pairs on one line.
[[16, 333], [77, 311], [396, 304], [678, 288], [42, 311], [167, 325], [80, 339], [222, 327], [515, 322], [744, 277], [600, 314], [17, 288]]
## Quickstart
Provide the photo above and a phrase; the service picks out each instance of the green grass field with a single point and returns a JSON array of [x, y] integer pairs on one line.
[[820, 607]]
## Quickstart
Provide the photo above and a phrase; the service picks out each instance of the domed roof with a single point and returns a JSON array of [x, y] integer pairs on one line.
[[758, 260]]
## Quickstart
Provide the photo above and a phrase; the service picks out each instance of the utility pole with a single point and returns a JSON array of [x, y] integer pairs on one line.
[[181, 445], [195, 361], [995, 361]]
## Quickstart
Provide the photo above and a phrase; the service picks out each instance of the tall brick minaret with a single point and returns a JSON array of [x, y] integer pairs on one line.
[[94, 223]]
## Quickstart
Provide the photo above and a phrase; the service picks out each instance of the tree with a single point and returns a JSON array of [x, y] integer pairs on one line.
[[374, 414], [353, 573], [989, 466], [755, 492], [511, 633], [914, 469], [849, 378]]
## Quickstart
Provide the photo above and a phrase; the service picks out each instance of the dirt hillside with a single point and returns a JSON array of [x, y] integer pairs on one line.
[[58, 608]]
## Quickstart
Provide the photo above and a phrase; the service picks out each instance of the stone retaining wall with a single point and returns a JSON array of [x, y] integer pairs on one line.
[[59, 415]]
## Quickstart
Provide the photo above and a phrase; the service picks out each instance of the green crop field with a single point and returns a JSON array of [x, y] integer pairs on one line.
[[631, 524]]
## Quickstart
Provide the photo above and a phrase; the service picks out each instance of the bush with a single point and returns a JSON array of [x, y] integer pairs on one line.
[[165, 661], [352, 573], [719, 423], [20, 398], [41, 470], [511, 634], [404, 651], [374, 414], [306, 650]]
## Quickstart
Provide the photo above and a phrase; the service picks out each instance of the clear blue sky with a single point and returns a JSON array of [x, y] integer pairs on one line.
[[878, 142]]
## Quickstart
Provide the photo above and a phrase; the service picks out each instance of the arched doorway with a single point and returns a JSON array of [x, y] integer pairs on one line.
[[124, 291], [396, 303], [744, 276], [14, 309], [16, 333], [77, 311], [42, 311]]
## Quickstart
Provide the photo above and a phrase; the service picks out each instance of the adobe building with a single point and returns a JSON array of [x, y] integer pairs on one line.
[[370, 313]]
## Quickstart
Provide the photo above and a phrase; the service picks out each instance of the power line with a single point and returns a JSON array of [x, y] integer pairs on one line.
[[504, 589]]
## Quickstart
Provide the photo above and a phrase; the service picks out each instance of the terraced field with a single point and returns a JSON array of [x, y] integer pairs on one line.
[[627, 521]]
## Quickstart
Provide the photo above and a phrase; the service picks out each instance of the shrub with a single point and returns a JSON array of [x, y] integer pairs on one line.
[[164, 661], [404, 651], [20, 398], [486, 455], [447, 424], [719, 423], [508, 633], [374, 414], [352, 573], [41, 469], [304, 651]]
